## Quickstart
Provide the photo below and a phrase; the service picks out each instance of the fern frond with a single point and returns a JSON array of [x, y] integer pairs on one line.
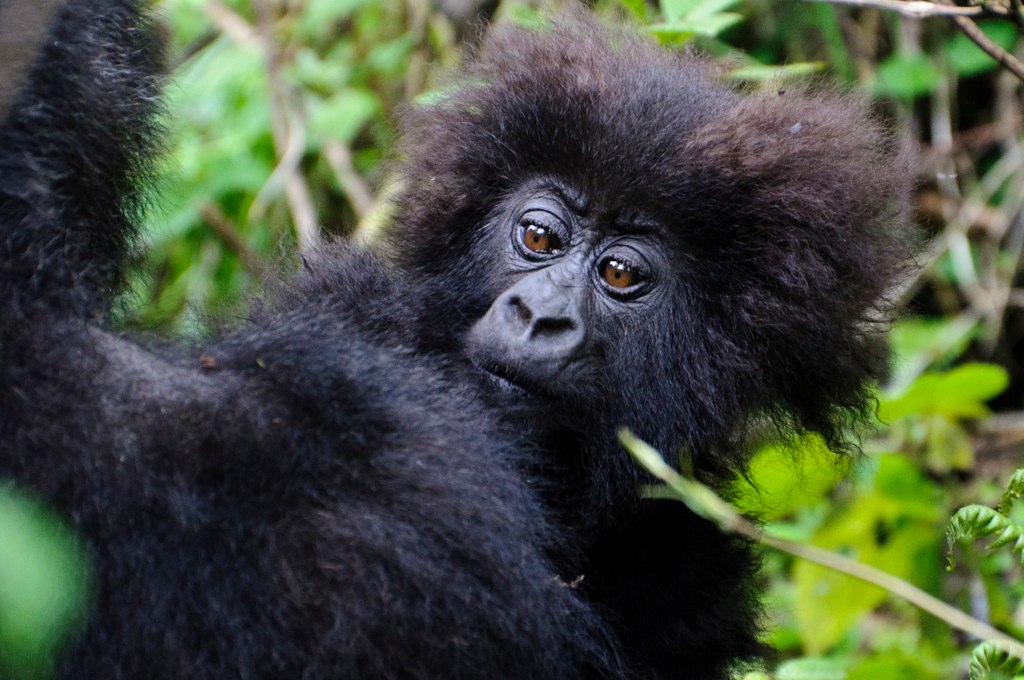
[[1014, 490], [975, 521], [994, 661]]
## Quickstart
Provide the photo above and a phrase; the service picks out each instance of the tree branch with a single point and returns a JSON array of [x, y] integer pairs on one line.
[[226, 231], [1004, 58], [915, 8], [357, 191]]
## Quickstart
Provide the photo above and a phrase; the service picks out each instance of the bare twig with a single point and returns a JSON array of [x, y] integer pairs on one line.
[[915, 8], [230, 23], [416, 73], [227, 232], [962, 17], [1008, 427], [300, 203], [357, 191], [287, 166], [380, 213], [297, 194], [287, 130]]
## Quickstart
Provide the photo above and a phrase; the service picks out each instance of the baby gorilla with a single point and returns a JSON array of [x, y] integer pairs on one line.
[[398, 468], [612, 237]]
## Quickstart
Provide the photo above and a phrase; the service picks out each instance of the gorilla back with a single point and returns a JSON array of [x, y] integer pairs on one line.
[[396, 470]]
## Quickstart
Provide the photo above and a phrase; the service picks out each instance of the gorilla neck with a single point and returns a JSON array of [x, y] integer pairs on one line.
[[574, 461]]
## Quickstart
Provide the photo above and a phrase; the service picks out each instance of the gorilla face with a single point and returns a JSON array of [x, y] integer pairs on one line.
[[572, 269], [622, 238]]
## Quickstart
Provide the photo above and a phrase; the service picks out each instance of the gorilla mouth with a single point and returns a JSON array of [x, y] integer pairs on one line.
[[504, 381]]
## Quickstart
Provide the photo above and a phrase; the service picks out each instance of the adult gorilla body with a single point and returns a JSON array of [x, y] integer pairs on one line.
[[599, 235]]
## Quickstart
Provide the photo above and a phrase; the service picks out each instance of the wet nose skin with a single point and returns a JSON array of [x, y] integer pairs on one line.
[[533, 330]]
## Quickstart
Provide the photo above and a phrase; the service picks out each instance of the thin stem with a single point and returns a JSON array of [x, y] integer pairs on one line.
[[915, 8], [706, 503]]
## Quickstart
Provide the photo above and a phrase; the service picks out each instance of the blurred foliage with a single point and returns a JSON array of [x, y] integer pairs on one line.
[[281, 120], [44, 586]]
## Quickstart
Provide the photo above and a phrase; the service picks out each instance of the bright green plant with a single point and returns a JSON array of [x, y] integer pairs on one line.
[[45, 586]]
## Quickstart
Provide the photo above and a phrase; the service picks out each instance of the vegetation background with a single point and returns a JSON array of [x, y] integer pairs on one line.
[[282, 121]]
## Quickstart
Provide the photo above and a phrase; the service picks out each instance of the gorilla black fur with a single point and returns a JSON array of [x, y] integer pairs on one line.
[[346, 487], [783, 217]]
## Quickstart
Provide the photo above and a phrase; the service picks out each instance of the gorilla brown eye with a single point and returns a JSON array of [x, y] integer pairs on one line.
[[537, 238], [620, 274]]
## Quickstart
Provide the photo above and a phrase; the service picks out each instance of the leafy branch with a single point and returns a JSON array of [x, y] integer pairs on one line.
[[706, 503], [963, 18]]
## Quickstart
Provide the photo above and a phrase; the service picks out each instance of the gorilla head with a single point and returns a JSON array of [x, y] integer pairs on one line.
[[608, 236], [615, 236]]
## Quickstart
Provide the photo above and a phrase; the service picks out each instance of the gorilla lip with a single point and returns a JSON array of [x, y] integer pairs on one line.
[[503, 381]]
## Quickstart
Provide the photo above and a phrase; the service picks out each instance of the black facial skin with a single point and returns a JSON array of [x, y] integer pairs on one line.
[[570, 271]]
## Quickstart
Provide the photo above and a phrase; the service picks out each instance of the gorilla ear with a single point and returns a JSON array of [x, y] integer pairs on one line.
[[811, 198]]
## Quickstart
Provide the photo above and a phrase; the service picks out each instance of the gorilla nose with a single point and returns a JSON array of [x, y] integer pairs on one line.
[[545, 328], [532, 332], [546, 325]]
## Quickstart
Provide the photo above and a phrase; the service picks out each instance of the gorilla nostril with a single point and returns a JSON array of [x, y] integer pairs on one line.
[[522, 313], [552, 327]]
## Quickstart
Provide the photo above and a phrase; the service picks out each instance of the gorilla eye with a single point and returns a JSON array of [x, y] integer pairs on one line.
[[537, 236], [620, 274], [540, 239]]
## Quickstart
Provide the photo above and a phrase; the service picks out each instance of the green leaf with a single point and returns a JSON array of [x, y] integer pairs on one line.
[[320, 15], [529, 17], [958, 393], [677, 9], [343, 115], [785, 477], [324, 73], [185, 20], [707, 26], [670, 33], [907, 76], [920, 342], [708, 8], [44, 586], [967, 59], [685, 19], [903, 490], [810, 668], [638, 8], [948, 445], [895, 665], [891, 526], [769, 73]]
